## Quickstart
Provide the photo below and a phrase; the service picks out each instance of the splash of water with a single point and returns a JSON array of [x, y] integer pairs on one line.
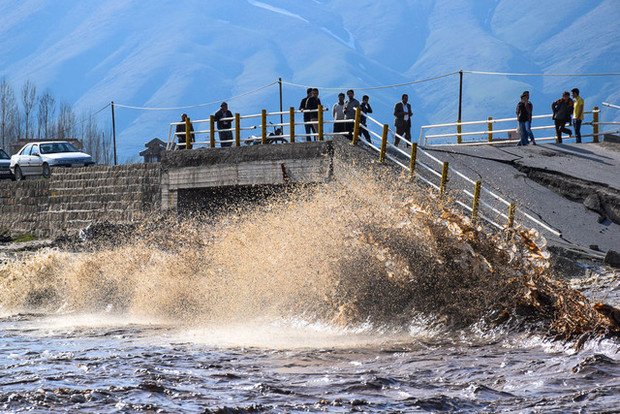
[[364, 250]]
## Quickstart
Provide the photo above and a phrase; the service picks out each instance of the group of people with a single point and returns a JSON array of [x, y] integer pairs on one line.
[[564, 109], [342, 111], [344, 116]]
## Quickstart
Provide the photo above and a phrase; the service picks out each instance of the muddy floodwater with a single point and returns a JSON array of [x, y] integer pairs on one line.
[[97, 364], [339, 298]]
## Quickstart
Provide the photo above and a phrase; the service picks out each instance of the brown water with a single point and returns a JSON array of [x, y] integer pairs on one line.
[[339, 298]]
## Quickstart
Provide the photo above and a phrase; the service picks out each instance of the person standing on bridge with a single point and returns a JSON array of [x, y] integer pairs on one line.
[[307, 115], [402, 119], [350, 106], [338, 114], [180, 132], [562, 109], [577, 114], [222, 117], [366, 109], [312, 106], [524, 118]]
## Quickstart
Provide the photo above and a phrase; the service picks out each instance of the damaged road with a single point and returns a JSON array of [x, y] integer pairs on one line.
[[574, 188]]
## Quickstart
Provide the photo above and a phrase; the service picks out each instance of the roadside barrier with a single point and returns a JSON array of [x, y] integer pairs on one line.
[[265, 132], [490, 134]]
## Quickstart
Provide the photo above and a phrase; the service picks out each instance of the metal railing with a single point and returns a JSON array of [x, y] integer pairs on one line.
[[204, 132], [452, 185], [489, 135]]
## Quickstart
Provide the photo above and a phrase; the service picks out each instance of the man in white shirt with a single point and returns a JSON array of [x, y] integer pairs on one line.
[[338, 114], [402, 119]]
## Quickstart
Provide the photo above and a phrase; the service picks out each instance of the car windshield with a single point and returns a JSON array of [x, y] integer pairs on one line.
[[4, 155], [55, 147]]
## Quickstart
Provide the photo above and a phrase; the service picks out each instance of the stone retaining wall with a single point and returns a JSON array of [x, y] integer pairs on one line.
[[73, 198]]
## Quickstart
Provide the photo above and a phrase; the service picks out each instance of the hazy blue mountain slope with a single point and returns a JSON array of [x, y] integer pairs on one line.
[[181, 53]]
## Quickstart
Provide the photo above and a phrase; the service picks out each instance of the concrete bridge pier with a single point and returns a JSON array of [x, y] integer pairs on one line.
[[255, 165]]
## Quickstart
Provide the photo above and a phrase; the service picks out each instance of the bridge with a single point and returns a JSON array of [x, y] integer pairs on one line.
[[491, 183]]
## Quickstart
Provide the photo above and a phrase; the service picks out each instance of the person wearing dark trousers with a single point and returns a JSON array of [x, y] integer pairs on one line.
[[307, 115], [577, 114], [366, 109], [350, 106], [180, 132], [226, 137], [312, 106], [562, 109], [402, 119], [338, 114], [523, 116]]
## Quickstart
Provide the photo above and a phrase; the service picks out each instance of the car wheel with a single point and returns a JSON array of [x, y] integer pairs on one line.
[[46, 171], [18, 173]]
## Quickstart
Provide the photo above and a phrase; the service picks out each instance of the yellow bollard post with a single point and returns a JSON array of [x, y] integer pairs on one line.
[[356, 126], [291, 115], [414, 154], [459, 139], [263, 123], [188, 133], [212, 130], [474, 208], [444, 179], [595, 124], [384, 137], [320, 114], [490, 127], [511, 215], [237, 130]]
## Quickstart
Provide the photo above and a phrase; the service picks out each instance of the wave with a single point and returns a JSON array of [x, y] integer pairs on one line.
[[368, 249]]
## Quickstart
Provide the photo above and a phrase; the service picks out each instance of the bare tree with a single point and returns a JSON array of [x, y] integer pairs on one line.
[[47, 108], [8, 108], [95, 141], [66, 122], [29, 99]]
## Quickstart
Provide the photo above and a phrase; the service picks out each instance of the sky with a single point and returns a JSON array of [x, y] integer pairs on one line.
[[190, 55]]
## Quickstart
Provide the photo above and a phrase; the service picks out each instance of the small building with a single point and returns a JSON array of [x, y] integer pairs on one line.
[[153, 150]]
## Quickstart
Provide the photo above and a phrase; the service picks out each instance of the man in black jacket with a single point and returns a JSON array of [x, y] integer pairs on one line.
[[402, 119], [226, 137], [180, 132], [562, 110]]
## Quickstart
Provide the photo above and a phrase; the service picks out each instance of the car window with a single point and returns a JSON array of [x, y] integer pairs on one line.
[[55, 147], [4, 155], [25, 150], [34, 150]]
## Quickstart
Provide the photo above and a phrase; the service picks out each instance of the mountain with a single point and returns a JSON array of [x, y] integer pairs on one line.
[[168, 54]]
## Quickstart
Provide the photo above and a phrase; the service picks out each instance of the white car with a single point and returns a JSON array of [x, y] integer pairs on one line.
[[39, 158]]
